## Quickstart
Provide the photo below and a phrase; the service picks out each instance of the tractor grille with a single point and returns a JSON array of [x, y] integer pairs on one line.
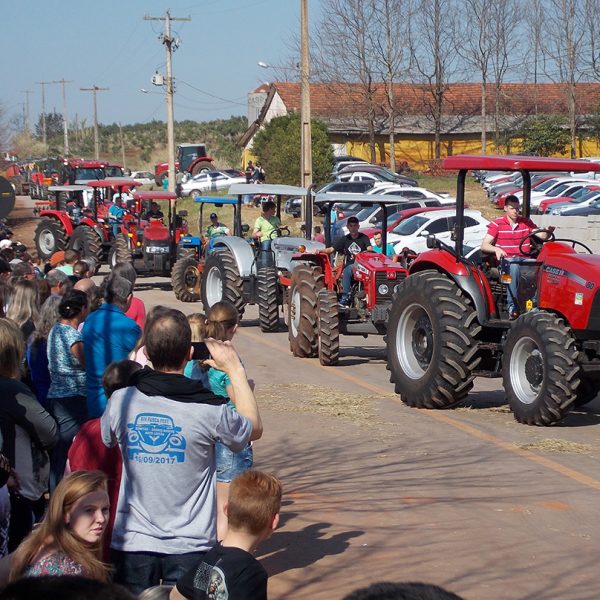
[[384, 287]]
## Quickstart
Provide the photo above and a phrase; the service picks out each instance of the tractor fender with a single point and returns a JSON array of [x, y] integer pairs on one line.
[[475, 288], [242, 253], [60, 216]]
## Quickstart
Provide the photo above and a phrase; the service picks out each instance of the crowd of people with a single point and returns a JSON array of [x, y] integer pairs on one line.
[[126, 442]]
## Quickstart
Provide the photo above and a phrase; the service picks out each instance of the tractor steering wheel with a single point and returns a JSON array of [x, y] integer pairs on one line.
[[536, 242], [575, 243], [278, 232]]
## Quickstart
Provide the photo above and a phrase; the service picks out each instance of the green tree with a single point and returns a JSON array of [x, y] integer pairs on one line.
[[545, 135], [277, 147]]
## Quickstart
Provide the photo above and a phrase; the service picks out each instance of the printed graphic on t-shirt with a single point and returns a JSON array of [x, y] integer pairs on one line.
[[354, 248], [154, 438], [211, 579]]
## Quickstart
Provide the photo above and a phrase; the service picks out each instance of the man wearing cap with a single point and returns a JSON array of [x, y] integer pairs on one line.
[[350, 245], [154, 214], [215, 229]]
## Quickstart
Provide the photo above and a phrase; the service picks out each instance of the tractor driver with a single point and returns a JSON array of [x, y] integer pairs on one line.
[[266, 224], [215, 230], [154, 214], [351, 244], [504, 238]]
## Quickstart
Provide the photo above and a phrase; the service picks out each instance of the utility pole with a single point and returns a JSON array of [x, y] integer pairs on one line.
[[305, 134], [122, 145], [95, 89], [170, 45], [26, 92], [65, 122], [43, 84]]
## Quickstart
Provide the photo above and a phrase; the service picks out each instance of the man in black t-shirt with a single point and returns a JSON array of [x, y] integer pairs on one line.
[[228, 570], [350, 245]]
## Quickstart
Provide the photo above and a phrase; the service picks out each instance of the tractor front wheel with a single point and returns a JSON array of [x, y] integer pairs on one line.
[[306, 282], [221, 280], [50, 237], [185, 279], [431, 346], [540, 372], [122, 252], [87, 242], [328, 327], [268, 302]]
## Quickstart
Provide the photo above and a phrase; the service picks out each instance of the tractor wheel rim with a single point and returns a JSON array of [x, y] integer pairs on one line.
[[526, 370], [414, 341], [295, 312], [214, 286], [47, 241]]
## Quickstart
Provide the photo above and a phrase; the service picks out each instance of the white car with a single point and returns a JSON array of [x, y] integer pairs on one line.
[[412, 233], [210, 181], [560, 188], [143, 177], [405, 191]]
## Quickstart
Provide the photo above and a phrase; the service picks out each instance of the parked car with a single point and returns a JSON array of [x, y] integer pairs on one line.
[[143, 177], [210, 181], [293, 205], [395, 219], [546, 206], [566, 208], [381, 173], [412, 233], [583, 211], [372, 216], [410, 192], [563, 188]]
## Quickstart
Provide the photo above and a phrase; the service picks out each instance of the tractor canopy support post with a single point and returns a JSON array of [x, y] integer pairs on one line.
[[308, 211], [237, 217], [327, 223], [526, 193], [384, 224], [460, 212]]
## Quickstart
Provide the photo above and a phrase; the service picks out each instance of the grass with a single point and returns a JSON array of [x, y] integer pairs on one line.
[[558, 446]]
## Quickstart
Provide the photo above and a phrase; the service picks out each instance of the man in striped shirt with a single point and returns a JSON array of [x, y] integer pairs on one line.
[[504, 238]]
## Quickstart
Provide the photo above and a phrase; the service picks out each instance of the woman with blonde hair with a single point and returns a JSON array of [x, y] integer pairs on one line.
[[68, 541], [221, 323], [24, 307]]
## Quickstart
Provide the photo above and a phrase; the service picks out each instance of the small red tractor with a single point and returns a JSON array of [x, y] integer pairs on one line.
[[151, 244], [191, 158], [77, 218], [314, 318], [449, 321]]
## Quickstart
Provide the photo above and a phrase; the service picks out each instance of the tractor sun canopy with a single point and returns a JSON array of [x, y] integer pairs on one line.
[[158, 195], [112, 182], [67, 188], [215, 200], [253, 189]]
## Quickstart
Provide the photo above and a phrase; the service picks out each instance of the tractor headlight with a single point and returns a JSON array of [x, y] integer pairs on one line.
[[383, 289]]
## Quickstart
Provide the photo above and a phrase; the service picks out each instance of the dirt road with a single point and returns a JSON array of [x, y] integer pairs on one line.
[[467, 499]]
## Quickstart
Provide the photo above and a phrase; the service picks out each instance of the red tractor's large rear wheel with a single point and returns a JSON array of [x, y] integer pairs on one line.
[[87, 242], [540, 372], [431, 346], [306, 282], [50, 237]]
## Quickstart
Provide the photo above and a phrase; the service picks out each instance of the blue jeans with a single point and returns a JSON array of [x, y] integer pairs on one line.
[[231, 464], [138, 571], [513, 286], [70, 414], [347, 282]]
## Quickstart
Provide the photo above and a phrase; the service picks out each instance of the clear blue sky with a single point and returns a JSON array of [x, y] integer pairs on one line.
[[109, 44]]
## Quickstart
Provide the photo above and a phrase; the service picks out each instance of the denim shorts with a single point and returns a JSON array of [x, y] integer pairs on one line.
[[230, 464]]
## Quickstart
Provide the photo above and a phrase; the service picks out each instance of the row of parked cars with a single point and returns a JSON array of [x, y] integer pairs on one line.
[[551, 193]]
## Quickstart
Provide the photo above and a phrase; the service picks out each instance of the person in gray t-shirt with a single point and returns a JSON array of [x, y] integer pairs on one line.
[[166, 427]]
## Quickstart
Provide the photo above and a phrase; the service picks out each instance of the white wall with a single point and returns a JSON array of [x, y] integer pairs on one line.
[[582, 229]]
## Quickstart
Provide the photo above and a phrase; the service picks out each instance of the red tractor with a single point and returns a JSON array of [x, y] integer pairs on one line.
[[191, 158], [77, 218], [449, 321], [311, 290], [149, 242]]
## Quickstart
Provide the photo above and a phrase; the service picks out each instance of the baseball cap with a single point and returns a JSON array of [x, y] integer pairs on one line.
[[5, 244], [352, 220], [57, 258], [214, 216]]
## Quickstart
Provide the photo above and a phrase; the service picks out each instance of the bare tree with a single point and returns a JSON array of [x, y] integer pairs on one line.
[[392, 55], [564, 45], [434, 58], [477, 48], [534, 21], [504, 16], [342, 52]]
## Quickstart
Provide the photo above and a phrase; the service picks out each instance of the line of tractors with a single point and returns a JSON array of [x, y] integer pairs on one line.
[[443, 313]]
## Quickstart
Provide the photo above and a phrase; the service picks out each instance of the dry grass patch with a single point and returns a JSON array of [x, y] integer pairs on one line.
[[559, 446]]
